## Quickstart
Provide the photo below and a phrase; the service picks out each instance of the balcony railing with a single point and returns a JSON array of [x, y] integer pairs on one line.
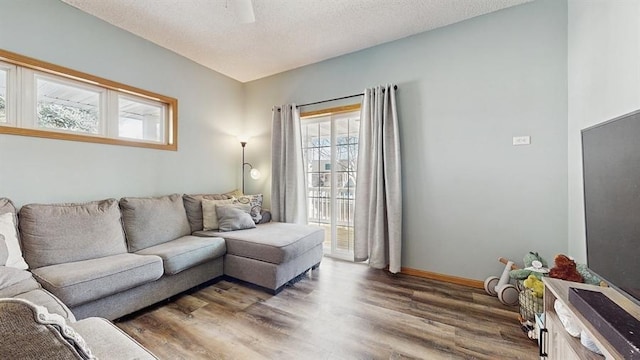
[[319, 206]]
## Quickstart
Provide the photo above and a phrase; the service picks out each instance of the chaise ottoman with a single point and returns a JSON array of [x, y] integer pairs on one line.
[[271, 254]]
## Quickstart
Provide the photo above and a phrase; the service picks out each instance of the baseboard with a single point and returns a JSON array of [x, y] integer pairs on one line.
[[441, 277]]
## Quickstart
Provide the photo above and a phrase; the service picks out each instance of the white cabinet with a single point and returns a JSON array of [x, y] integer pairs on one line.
[[556, 342]]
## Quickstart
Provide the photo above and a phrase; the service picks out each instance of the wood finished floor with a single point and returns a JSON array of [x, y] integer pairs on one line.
[[340, 311]]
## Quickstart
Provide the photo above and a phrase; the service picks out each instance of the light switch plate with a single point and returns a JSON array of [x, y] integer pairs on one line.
[[521, 140]]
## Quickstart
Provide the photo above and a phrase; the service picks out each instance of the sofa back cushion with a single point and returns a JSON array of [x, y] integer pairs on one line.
[[153, 220], [193, 206], [62, 233]]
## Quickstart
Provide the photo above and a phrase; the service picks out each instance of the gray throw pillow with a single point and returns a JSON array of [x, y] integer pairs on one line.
[[234, 217], [4, 252]]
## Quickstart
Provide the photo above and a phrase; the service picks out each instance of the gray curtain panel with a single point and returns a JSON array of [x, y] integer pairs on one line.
[[378, 202], [288, 183]]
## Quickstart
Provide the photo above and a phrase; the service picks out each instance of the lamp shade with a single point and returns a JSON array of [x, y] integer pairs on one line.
[[255, 174]]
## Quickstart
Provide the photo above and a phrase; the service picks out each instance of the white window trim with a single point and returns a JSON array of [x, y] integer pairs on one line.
[[11, 105], [330, 116]]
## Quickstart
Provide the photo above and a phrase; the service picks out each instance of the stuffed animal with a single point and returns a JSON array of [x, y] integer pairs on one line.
[[534, 264], [588, 276], [565, 269], [536, 285]]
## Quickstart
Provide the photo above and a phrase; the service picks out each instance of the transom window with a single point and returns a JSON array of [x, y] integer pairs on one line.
[[45, 100]]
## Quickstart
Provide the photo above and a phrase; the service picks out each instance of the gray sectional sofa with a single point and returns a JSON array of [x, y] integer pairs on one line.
[[35, 324], [109, 258]]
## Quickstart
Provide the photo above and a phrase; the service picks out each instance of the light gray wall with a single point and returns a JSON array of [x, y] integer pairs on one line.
[[604, 82], [464, 91], [209, 114]]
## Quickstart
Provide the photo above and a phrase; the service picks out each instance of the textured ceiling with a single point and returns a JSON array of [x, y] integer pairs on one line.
[[286, 34]]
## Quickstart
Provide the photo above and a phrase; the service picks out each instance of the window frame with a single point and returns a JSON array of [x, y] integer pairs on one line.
[[310, 117], [26, 65], [10, 100]]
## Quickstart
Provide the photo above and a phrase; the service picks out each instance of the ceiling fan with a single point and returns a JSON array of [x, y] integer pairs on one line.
[[243, 10]]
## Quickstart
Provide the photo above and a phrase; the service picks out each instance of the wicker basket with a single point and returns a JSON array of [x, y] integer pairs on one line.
[[530, 305]]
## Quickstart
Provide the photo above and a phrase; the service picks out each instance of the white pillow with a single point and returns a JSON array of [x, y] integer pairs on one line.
[[209, 214], [255, 202], [8, 230]]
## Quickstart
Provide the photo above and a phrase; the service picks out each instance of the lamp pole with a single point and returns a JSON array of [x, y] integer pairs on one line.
[[243, 143]]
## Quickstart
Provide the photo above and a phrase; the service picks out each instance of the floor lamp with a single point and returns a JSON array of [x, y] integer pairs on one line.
[[254, 173]]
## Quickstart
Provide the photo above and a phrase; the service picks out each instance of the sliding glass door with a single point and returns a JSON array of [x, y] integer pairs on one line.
[[330, 144]]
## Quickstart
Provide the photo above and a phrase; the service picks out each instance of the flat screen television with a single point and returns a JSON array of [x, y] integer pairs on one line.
[[611, 174]]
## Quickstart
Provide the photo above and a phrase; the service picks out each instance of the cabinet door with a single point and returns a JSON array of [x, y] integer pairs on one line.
[[559, 348]]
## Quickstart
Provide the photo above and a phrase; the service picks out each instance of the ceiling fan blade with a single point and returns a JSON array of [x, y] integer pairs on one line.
[[243, 9]]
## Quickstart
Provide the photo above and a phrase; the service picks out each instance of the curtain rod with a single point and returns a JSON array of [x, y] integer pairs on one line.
[[395, 87]]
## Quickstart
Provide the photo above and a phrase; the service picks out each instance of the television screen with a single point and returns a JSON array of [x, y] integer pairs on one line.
[[611, 170]]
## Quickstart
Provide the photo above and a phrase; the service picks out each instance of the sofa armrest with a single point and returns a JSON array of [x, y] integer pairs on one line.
[[29, 331], [107, 341], [266, 216]]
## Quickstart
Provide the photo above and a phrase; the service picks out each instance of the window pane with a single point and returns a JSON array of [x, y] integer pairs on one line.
[[66, 107], [354, 127], [309, 132], [140, 120], [3, 96]]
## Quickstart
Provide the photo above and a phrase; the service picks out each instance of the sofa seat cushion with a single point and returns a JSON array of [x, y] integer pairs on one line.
[[15, 281], [186, 252], [79, 282], [273, 242]]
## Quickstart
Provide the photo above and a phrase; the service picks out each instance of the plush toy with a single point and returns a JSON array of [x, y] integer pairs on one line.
[[588, 276], [536, 285], [565, 269], [534, 264]]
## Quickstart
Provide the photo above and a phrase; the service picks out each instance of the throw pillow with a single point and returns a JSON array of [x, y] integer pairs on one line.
[[4, 252], [234, 217], [8, 231], [209, 214], [255, 202], [234, 193]]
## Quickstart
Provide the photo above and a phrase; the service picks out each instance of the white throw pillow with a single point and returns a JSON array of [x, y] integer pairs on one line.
[[209, 214], [8, 230], [255, 202]]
